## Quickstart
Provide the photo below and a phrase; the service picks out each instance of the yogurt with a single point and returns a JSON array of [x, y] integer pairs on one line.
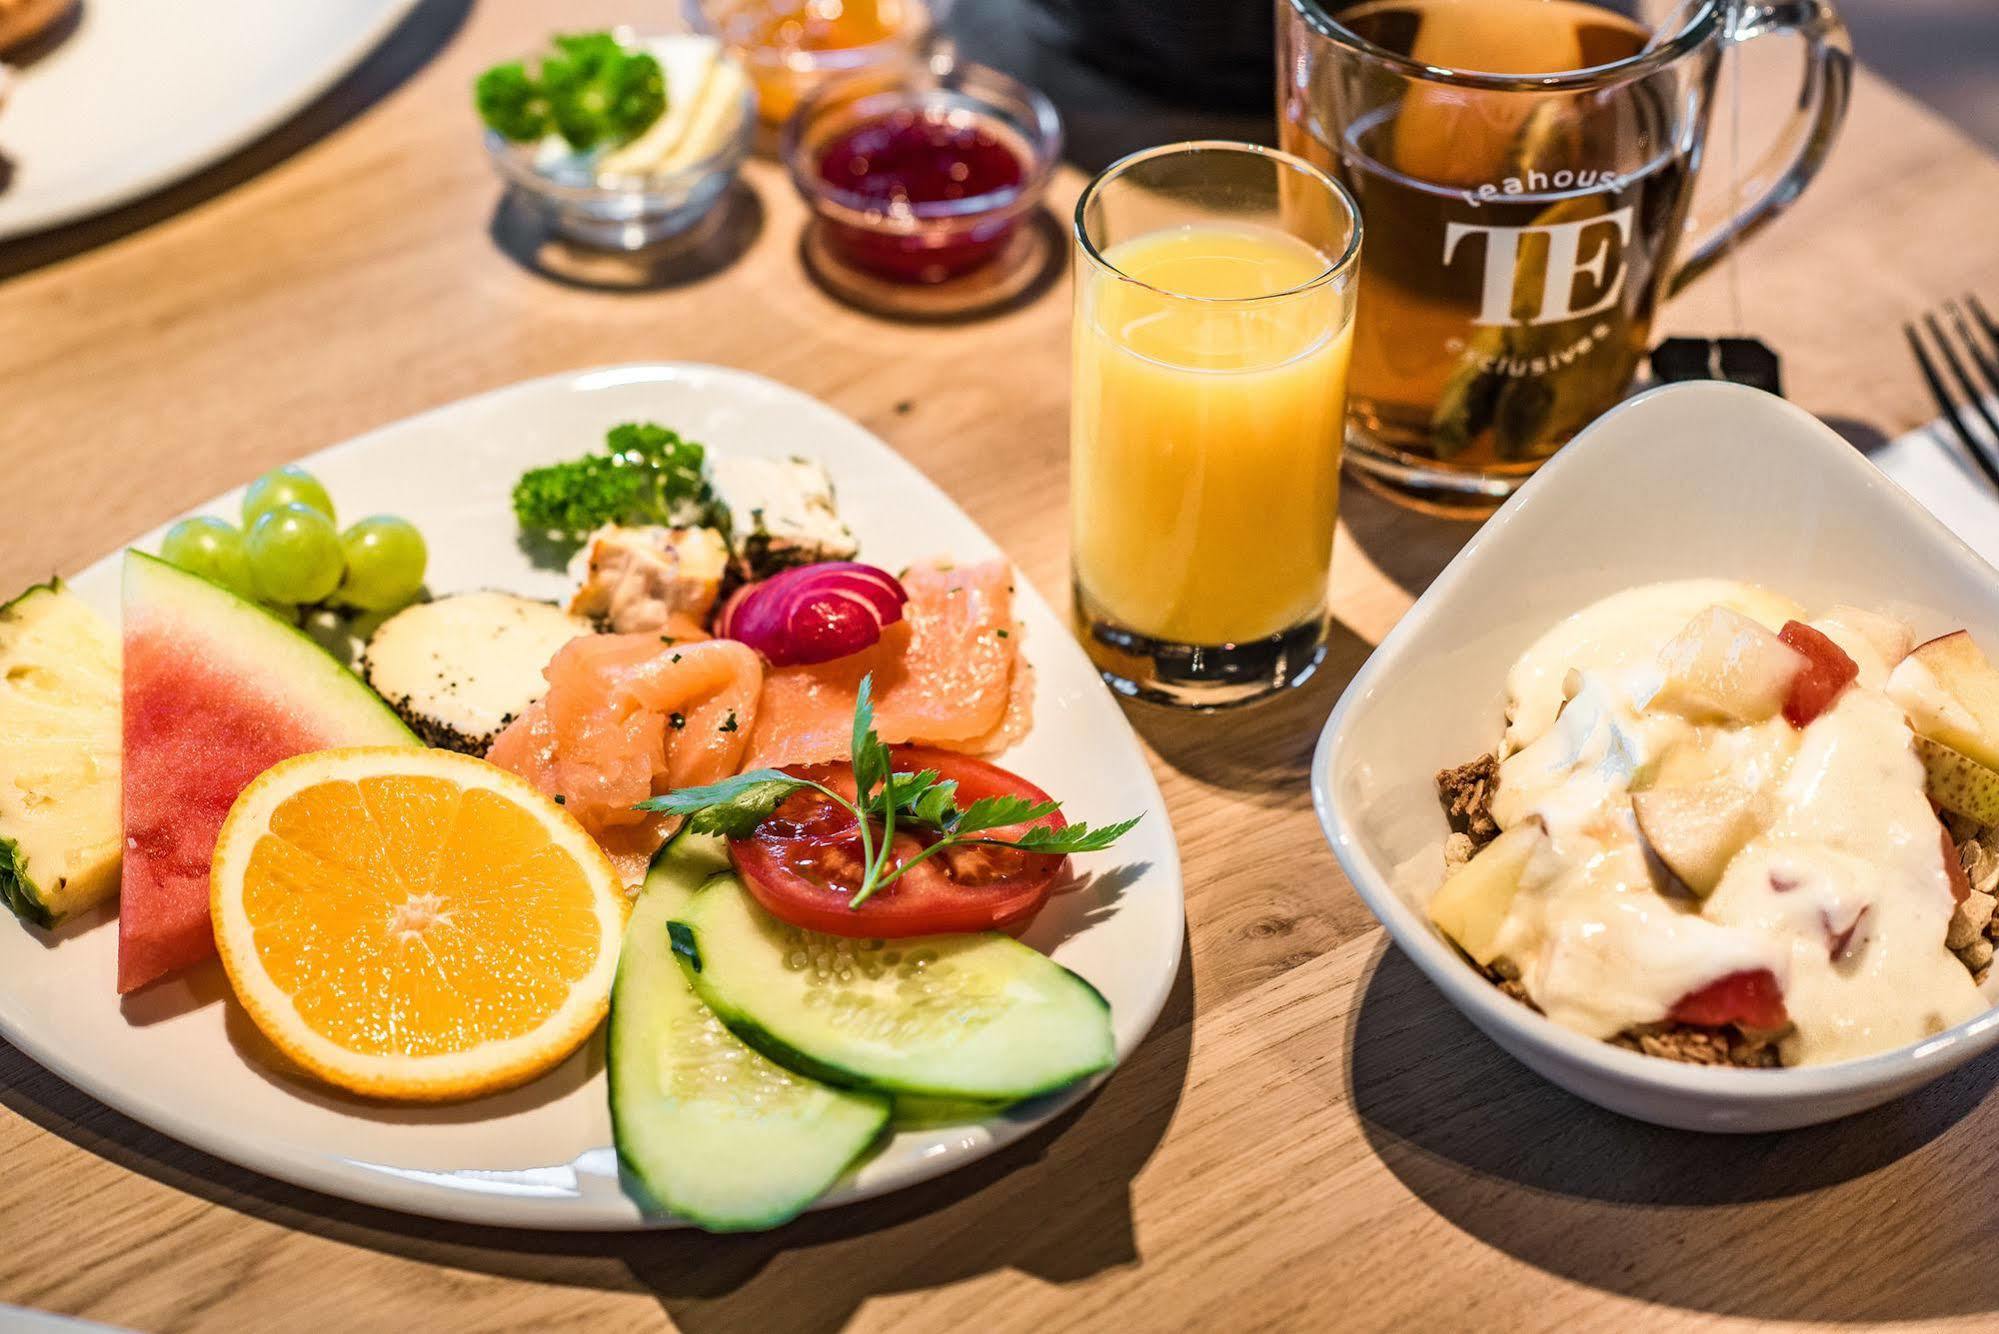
[[1842, 895]]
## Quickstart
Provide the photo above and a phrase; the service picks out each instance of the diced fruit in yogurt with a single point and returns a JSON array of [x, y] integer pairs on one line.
[[1843, 936], [1696, 831], [1960, 883], [1725, 666], [1889, 638], [1956, 782], [1750, 999], [1951, 694], [1827, 674], [1471, 907]]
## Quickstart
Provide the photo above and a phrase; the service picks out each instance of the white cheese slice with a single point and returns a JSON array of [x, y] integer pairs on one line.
[[459, 669]]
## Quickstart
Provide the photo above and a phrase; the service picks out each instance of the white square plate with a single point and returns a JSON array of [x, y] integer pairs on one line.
[[182, 1057], [1694, 479]]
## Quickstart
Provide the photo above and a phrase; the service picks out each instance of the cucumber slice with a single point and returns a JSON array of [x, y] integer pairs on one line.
[[914, 1113], [979, 1018], [687, 860], [705, 1127]]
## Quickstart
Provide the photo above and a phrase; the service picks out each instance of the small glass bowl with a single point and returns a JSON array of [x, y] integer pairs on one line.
[[881, 245], [785, 75], [636, 212]]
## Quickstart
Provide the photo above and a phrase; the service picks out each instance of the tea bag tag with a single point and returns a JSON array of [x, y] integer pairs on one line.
[[1740, 360]]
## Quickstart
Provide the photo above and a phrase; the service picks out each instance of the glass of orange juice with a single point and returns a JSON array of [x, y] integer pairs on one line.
[[1214, 313]]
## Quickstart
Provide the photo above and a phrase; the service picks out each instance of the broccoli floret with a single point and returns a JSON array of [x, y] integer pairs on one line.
[[511, 102], [599, 92], [591, 90]]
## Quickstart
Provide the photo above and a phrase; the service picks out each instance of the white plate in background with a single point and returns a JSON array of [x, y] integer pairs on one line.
[[144, 92], [182, 1057]]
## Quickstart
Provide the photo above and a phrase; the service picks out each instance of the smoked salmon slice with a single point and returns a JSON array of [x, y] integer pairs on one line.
[[945, 675], [628, 717]]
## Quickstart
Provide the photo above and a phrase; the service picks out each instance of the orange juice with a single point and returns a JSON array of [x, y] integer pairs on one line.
[[1209, 406]]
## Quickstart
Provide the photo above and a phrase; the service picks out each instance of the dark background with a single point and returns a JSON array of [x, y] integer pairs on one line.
[[1944, 53]]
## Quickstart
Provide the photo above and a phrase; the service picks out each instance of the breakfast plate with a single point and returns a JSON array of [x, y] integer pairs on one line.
[[183, 1057], [142, 94], [1699, 481]]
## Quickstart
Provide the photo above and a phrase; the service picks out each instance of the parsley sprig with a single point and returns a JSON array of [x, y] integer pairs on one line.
[[921, 799], [645, 474]]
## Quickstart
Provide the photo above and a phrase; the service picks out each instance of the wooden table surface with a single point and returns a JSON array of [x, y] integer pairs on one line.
[[1310, 1139]]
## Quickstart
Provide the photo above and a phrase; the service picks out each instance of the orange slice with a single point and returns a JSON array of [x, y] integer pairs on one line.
[[414, 924]]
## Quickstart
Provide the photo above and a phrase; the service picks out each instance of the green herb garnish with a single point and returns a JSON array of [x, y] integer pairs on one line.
[[591, 90], [646, 475], [735, 806]]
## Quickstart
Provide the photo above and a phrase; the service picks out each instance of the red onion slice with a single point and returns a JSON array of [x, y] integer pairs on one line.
[[814, 613]]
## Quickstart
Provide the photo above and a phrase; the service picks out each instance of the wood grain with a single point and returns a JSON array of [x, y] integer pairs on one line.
[[1311, 1139]]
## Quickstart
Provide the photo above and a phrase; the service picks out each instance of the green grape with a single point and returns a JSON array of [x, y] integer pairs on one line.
[[213, 549], [385, 563], [289, 485], [294, 555]]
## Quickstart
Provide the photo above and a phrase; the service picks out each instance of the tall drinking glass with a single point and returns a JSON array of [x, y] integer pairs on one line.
[[1214, 311]]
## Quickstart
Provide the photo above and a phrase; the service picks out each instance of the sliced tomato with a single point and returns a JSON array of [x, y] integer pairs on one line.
[[803, 863], [1828, 672], [1750, 999]]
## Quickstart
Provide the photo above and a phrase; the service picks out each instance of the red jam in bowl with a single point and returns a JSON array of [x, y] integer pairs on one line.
[[912, 167]]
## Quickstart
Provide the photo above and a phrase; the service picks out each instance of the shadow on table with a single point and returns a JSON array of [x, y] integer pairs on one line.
[[1261, 751], [1410, 548], [1055, 1205], [1863, 436], [524, 233], [1837, 1222], [1264, 750], [406, 50]]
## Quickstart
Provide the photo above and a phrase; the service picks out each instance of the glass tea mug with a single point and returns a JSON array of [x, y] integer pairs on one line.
[[1524, 170]]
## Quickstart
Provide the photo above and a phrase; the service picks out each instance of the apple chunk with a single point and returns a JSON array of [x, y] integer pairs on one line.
[[1827, 674], [1956, 782], [1725, 666], [1951, 694], [1696, 831], [1472, 905], [1750, 999]]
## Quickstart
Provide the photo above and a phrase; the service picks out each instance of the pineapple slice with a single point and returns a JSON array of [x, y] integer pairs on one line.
[[60, 745]]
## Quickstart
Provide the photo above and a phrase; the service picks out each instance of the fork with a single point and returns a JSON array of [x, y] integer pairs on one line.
[[1984, 451]]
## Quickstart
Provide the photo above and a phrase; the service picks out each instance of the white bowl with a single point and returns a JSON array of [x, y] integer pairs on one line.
[[1693, 479]]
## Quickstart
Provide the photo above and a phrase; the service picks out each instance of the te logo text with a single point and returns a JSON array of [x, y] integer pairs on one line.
[[1565, 241]]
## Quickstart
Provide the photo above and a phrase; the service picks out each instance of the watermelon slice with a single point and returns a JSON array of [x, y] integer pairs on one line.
[[216, 691]]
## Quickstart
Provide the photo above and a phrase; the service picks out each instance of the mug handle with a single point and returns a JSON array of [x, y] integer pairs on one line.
[[1801, 149]]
